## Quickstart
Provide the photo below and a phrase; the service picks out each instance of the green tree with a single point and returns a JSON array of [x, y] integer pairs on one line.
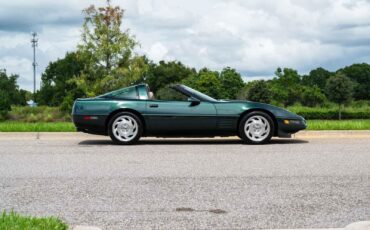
[[4, 104], [25, 95], [287, 77], [107, 51], [312, 96], [10, 94], [56, 80], [231, 82], [286, 88], [339, 90], [165, 73], [206, 81], [104, 60], [8, 83], [317, 77], [360, 75], [102, 38], [258, 91]]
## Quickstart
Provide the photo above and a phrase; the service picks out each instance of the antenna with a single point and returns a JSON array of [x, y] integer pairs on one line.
[[34, 42]]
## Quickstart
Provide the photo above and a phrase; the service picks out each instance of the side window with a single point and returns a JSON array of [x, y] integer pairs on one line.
[[128, 93], [169, 94]]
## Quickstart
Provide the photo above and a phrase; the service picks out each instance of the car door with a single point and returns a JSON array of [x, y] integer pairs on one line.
[[180, 116]]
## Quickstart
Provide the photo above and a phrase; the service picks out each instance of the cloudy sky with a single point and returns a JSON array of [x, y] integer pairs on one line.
[[253, 36]]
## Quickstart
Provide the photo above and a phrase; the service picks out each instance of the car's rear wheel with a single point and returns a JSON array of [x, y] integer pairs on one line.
[[256, 128], [125, 128]]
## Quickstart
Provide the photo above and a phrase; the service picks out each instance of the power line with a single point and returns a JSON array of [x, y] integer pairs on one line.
[[34, 42]]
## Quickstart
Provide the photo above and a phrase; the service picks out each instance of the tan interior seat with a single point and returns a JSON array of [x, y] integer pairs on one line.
[[151, 96]]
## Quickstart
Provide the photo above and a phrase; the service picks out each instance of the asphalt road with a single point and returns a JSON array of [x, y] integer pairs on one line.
[[307, 182]]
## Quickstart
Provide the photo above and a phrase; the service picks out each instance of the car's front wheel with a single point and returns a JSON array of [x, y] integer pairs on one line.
[[125, 128], [256, 128]]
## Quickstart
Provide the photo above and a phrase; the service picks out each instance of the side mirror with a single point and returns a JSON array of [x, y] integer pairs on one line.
[[193, 101]]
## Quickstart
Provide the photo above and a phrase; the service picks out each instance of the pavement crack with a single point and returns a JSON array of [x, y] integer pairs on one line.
[[184, 210], [216, 211]]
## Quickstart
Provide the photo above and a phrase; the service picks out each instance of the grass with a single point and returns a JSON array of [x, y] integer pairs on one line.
[[13, 126], [38, 114], [14, 221], [338, 125]]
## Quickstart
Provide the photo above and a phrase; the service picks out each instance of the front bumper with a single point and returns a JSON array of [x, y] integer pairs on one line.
[[287, 126]]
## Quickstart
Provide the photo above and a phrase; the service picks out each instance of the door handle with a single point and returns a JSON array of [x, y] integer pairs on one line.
[[153, 105]]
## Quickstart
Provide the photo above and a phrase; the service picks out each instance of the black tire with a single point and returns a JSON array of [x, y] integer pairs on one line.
[[132, 139], [248, 138]]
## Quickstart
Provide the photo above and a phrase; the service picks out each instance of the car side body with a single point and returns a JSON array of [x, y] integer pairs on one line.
[[199, 116]]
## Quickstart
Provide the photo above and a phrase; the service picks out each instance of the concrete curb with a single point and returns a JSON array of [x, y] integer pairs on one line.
[[332, 134], [83, 136], [82, 227], [362, 225]]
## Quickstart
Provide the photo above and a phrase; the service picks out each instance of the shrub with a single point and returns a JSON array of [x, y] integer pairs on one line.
[[360, 103], [312, 96], [38, 114], [331, 112]]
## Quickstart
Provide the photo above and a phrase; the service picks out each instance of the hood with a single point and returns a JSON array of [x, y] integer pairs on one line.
[[277, 111]]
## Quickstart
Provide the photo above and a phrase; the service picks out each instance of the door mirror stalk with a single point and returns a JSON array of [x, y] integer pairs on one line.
[[193, 101]]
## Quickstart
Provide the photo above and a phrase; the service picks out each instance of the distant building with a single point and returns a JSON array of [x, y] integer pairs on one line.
[[31, 103]]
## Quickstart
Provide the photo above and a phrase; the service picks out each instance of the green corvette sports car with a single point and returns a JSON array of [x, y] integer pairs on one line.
[[180, 111]]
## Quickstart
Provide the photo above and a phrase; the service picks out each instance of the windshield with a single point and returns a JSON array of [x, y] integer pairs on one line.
[[200, 95]]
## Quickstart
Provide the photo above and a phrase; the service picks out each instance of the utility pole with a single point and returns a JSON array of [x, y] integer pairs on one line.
[[34, 41]]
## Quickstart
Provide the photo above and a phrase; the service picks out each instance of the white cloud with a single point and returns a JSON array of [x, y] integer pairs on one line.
[[253, 36], [158, 52], [20, 66]]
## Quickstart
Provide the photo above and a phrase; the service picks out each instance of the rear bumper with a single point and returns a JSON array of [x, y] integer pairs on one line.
[[93, 124], [294, 125]]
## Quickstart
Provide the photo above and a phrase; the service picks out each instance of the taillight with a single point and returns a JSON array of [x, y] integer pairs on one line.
[[87, 118]]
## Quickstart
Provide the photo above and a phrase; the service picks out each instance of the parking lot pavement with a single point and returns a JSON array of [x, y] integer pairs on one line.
[[305, 182]]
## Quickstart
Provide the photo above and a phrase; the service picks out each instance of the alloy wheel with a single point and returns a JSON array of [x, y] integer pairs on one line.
[[125, 128], [257, 128]]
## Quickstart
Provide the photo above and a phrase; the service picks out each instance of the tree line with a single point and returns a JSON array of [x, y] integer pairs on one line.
[[10, 93], [105, 60]]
